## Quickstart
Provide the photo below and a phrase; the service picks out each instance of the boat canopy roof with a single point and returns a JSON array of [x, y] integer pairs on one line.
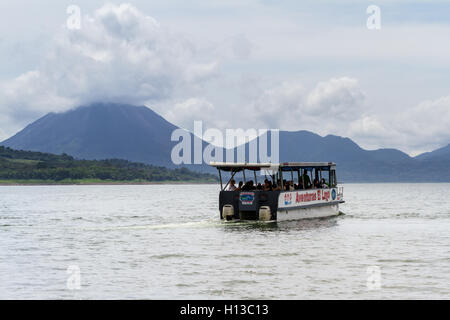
[[285, 166], [324, 166], [238, 166]]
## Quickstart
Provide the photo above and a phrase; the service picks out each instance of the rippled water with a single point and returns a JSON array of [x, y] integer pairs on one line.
[[156, 241]]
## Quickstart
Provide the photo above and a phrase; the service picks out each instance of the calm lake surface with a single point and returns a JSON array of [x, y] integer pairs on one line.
[[167, 242]]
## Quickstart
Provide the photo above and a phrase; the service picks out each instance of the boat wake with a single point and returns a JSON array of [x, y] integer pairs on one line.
[[204, 223], [193, 224]]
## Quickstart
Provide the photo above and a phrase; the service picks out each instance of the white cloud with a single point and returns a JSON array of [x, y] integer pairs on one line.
[[124, 55], [118, 55], [290, 106], [368, 131], [426, 124], [416, 129], [338, 106], [338, 98], [273, 107], [368, 127], [184, 113]]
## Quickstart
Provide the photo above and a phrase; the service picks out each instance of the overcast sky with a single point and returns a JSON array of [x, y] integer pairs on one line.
[[309, 65]]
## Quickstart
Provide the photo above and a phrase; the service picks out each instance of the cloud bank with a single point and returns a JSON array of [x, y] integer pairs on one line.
[[121, 54]]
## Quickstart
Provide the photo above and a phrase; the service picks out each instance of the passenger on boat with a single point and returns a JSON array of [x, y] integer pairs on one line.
[[248, 186], [323, 183], [232, 186], [267, 185], [288, 185], [306, 180], [317, 184], [239, 188], [259, 187]]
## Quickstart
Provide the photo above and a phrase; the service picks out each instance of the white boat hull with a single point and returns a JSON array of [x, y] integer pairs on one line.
[[308, 213], [307, 204]]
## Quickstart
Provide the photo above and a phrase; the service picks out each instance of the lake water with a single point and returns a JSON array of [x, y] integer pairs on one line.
[[167, 242]]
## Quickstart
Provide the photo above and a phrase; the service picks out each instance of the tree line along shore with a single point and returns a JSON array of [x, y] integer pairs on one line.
[[28, 167]]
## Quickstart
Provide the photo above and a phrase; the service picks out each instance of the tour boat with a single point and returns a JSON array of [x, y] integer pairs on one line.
[[293, 191]]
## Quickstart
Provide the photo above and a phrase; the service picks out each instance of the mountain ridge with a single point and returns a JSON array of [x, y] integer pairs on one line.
[[137, 133], [440, 153]]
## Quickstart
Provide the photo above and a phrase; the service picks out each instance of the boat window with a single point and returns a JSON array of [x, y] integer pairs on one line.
[[284, 178], [333, 181], [325, 178]]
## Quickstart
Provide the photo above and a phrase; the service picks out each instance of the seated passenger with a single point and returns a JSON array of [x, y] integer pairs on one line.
[[248, 186], [316, 183], [291, 185], [259, 186], [239, 188], [323, 183], [231, 186], [266, 184], [285, 185]]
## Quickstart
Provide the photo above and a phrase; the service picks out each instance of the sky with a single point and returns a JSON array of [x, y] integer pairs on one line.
[[289, 65]]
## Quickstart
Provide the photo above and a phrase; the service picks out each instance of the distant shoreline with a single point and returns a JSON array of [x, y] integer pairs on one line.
[[4, 183], [97, 183]]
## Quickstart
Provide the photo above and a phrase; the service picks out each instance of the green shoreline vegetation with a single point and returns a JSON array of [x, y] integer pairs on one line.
[[36, 182], [19, 167]]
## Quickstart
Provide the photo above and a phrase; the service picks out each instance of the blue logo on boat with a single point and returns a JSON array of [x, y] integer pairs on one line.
[[333, 194], [247, 197]]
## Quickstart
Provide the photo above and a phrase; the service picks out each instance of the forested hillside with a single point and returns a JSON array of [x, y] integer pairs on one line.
[[28, 165]]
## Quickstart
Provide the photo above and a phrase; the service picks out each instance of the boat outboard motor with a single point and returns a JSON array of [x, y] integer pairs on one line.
[[228, 212], [264, 213]]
